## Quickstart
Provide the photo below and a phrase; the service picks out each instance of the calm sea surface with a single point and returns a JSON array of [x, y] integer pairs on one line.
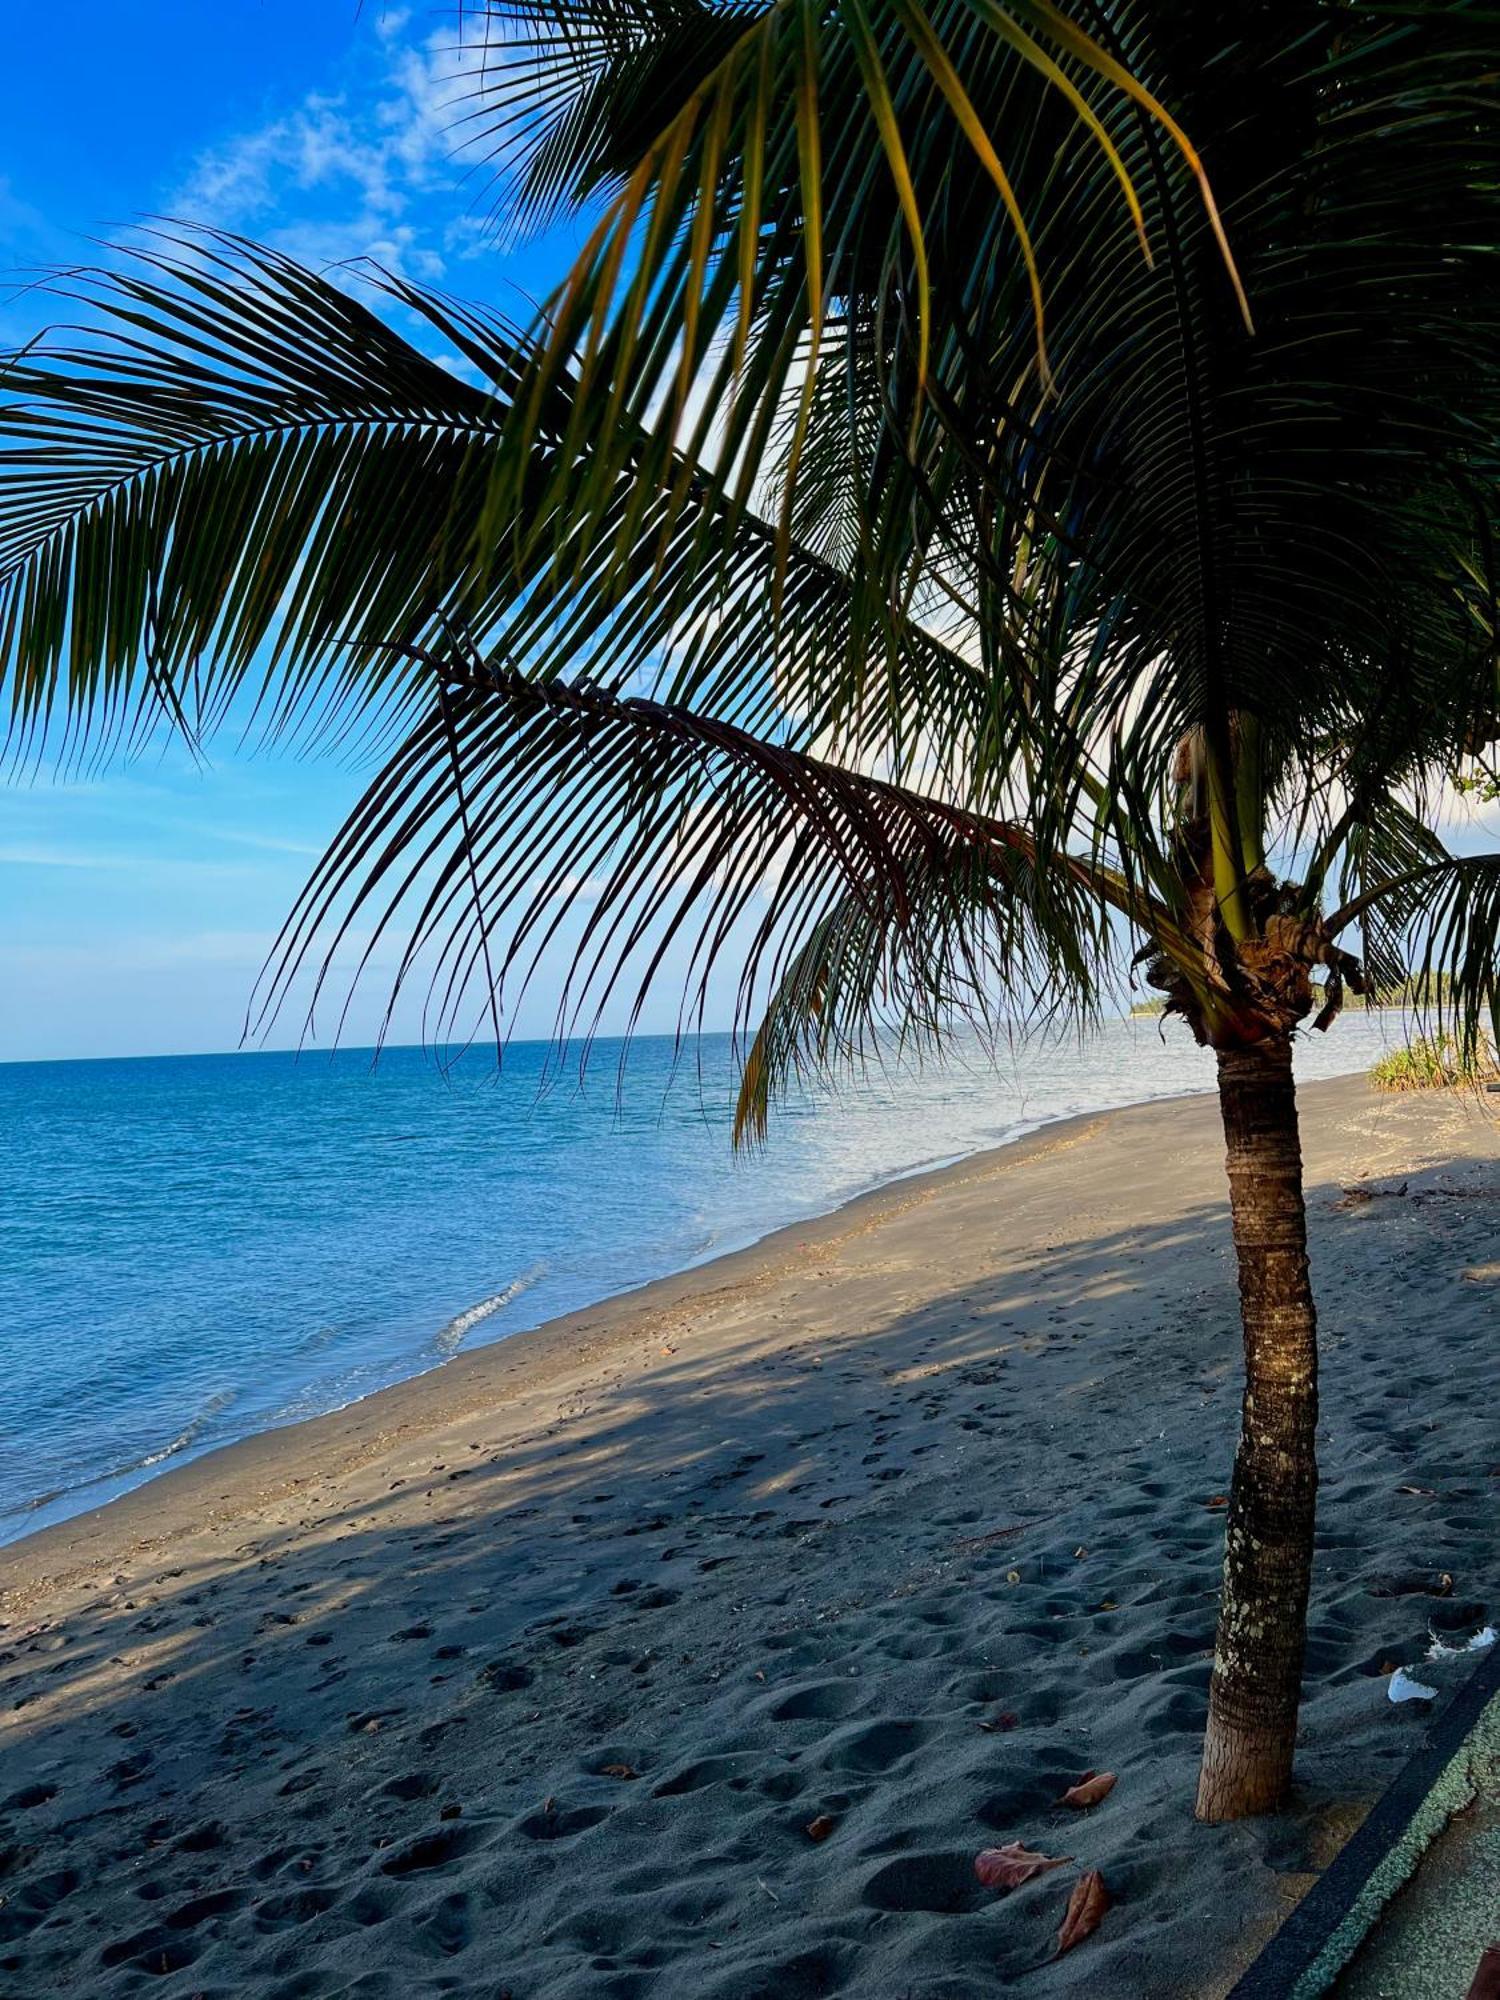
[[198, 1247]]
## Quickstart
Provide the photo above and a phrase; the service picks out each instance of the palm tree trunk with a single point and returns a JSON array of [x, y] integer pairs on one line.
[[1257, 1676]]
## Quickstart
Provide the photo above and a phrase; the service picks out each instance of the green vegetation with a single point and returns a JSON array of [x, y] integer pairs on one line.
[[1436, 1062], [918, 556]]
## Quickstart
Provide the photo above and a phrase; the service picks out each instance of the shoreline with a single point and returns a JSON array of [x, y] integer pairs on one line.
[[174, 1463], [270, 1402], [449, 1389], [532, 1674]]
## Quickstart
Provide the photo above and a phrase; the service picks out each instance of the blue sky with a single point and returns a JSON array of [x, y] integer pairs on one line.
[[136, 904]]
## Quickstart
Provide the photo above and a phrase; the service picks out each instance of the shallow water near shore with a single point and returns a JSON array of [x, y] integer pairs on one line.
[[193, 1249]]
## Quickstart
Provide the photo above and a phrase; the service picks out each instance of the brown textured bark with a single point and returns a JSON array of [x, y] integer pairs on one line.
[[1257, 1675]]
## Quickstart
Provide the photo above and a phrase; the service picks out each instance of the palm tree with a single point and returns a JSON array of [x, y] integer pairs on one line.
[[917, 557]]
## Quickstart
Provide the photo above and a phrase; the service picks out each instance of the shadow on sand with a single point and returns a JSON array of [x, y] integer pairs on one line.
[[553, 1718]]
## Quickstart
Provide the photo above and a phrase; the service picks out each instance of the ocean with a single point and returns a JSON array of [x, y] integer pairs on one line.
[[196, 1248]]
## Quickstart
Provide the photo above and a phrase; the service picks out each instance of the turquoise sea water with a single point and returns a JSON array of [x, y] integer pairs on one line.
[[195, 1248]]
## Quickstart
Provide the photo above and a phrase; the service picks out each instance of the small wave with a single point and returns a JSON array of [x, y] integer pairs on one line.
[[185, 1439], [448, 1340]]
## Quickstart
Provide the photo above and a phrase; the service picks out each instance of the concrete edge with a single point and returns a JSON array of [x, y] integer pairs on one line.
[[1322, 1934]]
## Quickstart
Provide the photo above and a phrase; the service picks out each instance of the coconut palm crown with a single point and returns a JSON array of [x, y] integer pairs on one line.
[[1003, 497]]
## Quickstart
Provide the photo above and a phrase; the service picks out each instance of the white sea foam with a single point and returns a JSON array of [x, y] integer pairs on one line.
[[185, 1439], [449, 1339]]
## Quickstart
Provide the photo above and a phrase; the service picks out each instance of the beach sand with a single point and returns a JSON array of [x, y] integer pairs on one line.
[[528, 1677]]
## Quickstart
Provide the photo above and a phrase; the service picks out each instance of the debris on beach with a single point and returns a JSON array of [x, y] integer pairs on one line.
[[1404, 1688], [1089, 1790], [1009, 1866], [1002, 1724], [1481, 1642], [1413, 1583], [1357, 1193], [1086, 1908]]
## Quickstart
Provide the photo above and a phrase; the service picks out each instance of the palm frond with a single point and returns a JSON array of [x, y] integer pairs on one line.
[[1384, 845], [517, 807], [235, 472], [233, 468], [783, 178], [785, 466], [1447, 913], [862, 987]]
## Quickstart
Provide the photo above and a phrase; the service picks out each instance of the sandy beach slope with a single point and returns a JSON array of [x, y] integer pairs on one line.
[[528, 1677]]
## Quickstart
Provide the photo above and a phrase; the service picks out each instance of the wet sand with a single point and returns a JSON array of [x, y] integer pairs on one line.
[[529, 1676]]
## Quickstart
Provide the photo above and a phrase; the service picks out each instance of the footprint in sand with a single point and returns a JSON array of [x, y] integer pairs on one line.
[[823, 1701]]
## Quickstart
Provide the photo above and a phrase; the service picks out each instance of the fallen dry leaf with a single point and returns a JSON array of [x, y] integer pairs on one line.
[[819, 1829], [1419, 1492], [1001, 1725], [1086, 1907], [1090, 1789], [1486, 1982], [618, 1771], [1009, 1866], [1413, 1583]]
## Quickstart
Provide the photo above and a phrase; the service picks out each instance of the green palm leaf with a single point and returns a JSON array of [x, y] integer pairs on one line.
[[791, 158], [1440, 927], [238, 474], [515, 800]]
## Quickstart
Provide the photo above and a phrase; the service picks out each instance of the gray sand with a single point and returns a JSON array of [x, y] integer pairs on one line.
[[333, 1712]]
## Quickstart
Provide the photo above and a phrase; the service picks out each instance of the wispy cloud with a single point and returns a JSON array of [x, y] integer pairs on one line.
[[27, 855], [21, 225], [345, 174], [246, 950], [124, 860], [265, 843]]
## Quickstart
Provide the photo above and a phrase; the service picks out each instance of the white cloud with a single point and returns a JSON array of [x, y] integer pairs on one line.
[[127, 860], [20, 223], [345, 174], [29, 855], [267, 843]]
